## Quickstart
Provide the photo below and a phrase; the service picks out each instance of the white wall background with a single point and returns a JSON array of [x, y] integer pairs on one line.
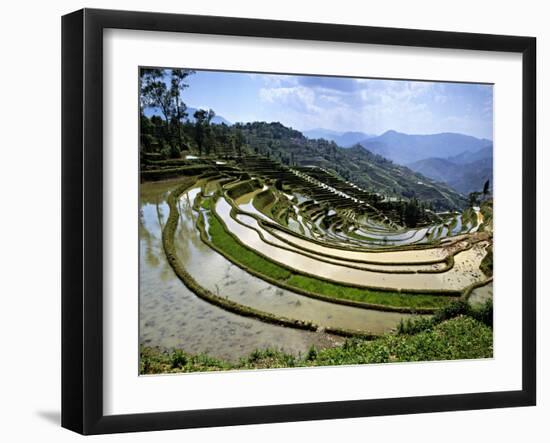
[[30, 247]]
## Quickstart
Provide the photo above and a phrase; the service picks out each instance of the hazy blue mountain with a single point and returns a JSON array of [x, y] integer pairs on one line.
[[473, 176], [439, 169], [470, 157], [407, 148], [343, 139], [218, 119], [465, 173]]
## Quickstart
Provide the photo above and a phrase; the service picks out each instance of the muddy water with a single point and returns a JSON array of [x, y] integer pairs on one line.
[[409, 256], [172, 316], [212, 271], [249, 208], [400, 239], [407, 235], [464, 273], [252, 223]]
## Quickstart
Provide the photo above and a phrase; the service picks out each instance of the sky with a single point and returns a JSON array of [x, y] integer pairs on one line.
[[344, 104]]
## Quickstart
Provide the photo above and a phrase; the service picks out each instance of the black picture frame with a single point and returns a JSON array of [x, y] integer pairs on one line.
[[82, 218]]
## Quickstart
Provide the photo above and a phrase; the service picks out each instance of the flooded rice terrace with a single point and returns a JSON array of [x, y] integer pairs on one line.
[[172, 316]]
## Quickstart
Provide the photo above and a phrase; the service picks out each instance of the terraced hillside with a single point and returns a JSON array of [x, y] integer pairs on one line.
[[289, 147], [356, 164], [302, 249]]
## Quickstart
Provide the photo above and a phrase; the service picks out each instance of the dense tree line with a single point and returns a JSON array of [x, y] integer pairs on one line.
[[170, 131]]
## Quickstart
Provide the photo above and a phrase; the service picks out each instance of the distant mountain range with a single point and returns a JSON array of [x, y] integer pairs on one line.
[[218, 119], [406, 148], [461, 161], [465, 172], [343, 139]]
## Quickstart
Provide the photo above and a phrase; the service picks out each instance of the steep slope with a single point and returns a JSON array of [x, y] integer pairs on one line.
[[364, 168], [471, 157], [473, 176], [465, 173], [439, 169]]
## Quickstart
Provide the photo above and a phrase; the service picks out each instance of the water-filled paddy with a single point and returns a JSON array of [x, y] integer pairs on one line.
[[173, 316], [170, 315], [464, 273]]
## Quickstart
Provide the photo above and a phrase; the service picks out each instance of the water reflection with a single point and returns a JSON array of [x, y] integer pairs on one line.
[[172, 316]]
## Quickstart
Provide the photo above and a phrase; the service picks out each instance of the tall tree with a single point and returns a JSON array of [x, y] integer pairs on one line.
[[486, 188], [239, 141], [162, 89], [155, 92], [202, 129], [412, 213], [177, 85]]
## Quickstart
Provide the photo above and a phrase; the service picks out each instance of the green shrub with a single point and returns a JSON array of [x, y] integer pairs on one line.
[[179, 359], [454, 309], [482, 313], [311, 354], [175, 152], [486, 264], [414, 325]]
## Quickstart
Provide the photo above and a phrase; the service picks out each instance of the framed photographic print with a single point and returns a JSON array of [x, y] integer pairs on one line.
[[270, 221]]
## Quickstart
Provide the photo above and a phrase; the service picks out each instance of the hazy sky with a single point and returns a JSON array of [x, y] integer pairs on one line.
[[345, 104]]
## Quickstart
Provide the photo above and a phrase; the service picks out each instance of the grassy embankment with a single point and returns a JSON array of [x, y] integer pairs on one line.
[[461, 337], [254, 262], [487, 211]]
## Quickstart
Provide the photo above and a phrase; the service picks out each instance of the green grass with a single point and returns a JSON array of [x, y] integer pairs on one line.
[[255, 262], [487, 212], [243, 255], [206, 203], [155, 361], [461, 337], [409, 300]]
